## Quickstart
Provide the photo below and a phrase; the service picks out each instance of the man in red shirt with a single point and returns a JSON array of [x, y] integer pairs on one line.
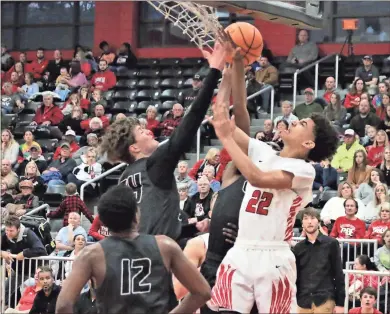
[[99, 113], [330, 86], [105, 79], [38, 66], [70, 137], [368, 299]]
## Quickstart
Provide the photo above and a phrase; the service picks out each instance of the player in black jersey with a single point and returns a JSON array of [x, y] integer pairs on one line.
[[150, 172], [132, 271]]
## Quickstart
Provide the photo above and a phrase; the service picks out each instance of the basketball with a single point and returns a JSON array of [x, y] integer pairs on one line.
[[249, 38]]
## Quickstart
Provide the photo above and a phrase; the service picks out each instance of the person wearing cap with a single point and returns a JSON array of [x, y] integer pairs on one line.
[[29, 142], [35, 156], [106, 52], [188, 96], [104, 79], [26, 198], [364, 118], [304, 110], [70, 138], [33, 174], [343, 159], [368, 73]]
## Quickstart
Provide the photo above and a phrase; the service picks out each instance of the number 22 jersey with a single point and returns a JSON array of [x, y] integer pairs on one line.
[[269, 214]]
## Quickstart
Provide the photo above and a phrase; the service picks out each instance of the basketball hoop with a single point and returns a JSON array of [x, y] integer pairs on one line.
[[199, 22]]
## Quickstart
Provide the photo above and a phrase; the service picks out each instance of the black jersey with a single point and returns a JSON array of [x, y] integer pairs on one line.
[[226, 210], [136, 279]]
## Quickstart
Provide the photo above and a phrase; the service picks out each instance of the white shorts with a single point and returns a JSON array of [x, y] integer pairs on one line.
[[265, 274]]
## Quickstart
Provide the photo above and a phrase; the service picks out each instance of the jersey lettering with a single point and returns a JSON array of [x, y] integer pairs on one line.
[[135, 182], [259, 202], [134, 273]]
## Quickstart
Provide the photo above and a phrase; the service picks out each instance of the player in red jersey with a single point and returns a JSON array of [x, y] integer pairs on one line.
[[261, 267]]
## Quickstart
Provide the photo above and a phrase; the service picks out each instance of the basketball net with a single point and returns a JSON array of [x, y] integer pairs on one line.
[[199, 22]]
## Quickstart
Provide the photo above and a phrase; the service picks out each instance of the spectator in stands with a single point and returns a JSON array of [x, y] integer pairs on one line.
[[281, 125], [266, 75], [304, 110], [9, 147], [343, 159], [6, 60], [376, 151], [95, 127], [26, 198], [184, 178], [385, 165], [369, 139], [99, 113], [64, 238], [209, 173], [87, 301], [124, 58], [170, 123], [383, 88], [16, 77], [326, 176], [71, 203], [385, 123], [200, 202], [93, 142], [320, 278], [105, 79], [379, 226], [83, 95], [352, 99], [72, 122], [334, 208], [29, 88], [60, 168], [97, 230], [54, 67], [368, 73], [381, 256], [184, 197], [212, 158], [79, 242], [48, 115], [36, 157], [381, 109], [151, 121], [39, 65], [190, 95], [24, 243], [106, 55], [73, 101], [29, 142], [379, 197], [330, 87], [349, 226], [10, 100], [365, 192], [46, 299], [334, 111], [287, 114], [32, 173], [357, 282], [85, 65], [254, 105], [78, 78], [267, 134], [62, 89], [364, 118], [360, 171], [87, 170], [27, 300], [70, 138], [8, 176], [6, 197], [368, 298], [97, 99]]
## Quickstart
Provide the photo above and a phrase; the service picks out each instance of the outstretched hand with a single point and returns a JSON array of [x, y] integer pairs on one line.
[[224, 125], [222, 47]]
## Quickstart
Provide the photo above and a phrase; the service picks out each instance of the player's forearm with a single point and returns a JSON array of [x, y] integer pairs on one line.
[[192, 302], [239, 96], [241, 139], [64, 306]]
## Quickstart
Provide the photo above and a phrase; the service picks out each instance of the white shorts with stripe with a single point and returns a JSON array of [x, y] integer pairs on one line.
[[263, 273]]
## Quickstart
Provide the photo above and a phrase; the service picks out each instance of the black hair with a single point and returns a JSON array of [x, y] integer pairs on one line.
[[40, 48], [369, 291], [284, 122], [118, 208], [356, 203], [326, 139], [365, 260], [75, 67]]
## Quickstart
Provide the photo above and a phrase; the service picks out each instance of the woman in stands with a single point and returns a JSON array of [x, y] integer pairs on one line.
[[72, 121], [84, 63], [377, 150], [32, 174], [377, 227], [96, 127], [9, 147], [30, 88], [78, 78], [381, 109], [84, 94], [335, 112], [152, 122], [383, 88], [281, 125], [381, 257], [29, 141], [360, 171], [385, 123], [380, 196], [334, 208], [212, 158], [365, 192], [385, 165], [352, 99], [73, 101]]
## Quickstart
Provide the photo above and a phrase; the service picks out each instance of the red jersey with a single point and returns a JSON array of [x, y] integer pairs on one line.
[[104, 80], [327, 95], [366, 280], [98, 230], [345, 228], [375, 155], [376, 229]]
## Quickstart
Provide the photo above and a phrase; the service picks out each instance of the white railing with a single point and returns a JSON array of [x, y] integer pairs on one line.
[[316, 65], [375, 277], [37, 210]]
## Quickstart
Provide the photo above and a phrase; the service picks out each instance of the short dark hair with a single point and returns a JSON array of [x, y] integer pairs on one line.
[[12, 221], [311, 212], [326, 139], [46, 269], [355, 201], [118, 208], [40, 48], [370, 291]]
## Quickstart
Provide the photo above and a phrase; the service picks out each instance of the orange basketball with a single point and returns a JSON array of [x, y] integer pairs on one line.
[[249, 38]]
